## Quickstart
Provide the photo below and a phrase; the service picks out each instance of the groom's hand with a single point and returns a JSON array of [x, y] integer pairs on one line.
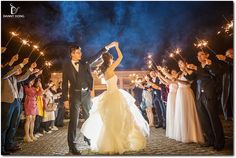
[[66, 105]]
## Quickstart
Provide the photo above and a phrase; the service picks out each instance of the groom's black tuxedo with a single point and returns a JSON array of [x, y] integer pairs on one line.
[[78, 80], [81, 82]]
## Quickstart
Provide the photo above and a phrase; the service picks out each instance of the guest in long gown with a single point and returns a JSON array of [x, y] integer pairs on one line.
[[187, 126], [169, 80]]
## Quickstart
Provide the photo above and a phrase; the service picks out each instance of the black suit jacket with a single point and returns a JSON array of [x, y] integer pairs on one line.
[[206, 80], [69, 74]]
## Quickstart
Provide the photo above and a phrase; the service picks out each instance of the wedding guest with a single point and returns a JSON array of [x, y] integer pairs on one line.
[[137, 91], [61, 110], [227, 83], [157, 101], [10, 109], [49, 110], [56, 95], [31, 109], [5, 68], [38, 130], [187, 126], [170, 80], [205, 75], [147, 100], [143, 106]]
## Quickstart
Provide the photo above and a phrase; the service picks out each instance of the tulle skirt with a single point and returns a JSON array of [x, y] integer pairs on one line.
[[115, 124]]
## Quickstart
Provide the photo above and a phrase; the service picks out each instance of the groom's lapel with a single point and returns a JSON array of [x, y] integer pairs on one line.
[[73, 72]]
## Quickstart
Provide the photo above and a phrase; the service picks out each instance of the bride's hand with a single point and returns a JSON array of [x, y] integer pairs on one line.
[[113, 44]]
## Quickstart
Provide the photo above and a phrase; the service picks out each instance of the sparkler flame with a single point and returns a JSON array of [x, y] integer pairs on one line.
[[25, 42], [36, 47], [178, 50], [171, 55], [201, 44], [229, 26], [14, 34], [42, 53]]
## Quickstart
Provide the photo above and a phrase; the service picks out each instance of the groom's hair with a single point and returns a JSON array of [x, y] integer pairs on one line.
[[73, 48]]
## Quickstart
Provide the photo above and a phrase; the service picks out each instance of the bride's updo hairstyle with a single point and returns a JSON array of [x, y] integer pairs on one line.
[[106, 57]]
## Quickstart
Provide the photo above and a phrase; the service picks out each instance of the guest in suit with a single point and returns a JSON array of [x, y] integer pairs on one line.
[[9, 65], [157, 101], [61, 110], [205, 75], [227, 83], [77, 73], [11, 106]]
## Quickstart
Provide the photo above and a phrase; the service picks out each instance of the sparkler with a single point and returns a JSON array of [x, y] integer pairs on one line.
[[133, 77], [47, 64], [177, 51], [150, 58], [40, 54], [35, 47], [173, 57], [227, 27], [23, 42], [13, 34], [203, 43]]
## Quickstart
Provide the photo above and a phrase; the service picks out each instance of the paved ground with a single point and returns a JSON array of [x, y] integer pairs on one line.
[[56, 144]]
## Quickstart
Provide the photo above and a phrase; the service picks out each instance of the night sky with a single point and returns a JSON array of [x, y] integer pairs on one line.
[[139, 27]]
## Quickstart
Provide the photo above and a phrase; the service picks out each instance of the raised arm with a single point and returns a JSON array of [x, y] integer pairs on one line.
[[96, 56], [27, 74], [163, 79], [120, 56], [13, 71]]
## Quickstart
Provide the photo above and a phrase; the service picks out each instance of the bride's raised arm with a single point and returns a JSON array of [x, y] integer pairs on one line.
[[120, 56]]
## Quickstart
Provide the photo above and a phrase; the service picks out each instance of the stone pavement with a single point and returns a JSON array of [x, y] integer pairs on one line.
[[56, 144]]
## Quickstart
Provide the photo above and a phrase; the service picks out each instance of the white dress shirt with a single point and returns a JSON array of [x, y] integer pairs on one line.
[[76, 66]]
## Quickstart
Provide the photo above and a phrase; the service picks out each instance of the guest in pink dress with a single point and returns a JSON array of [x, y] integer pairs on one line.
[[30, 107]]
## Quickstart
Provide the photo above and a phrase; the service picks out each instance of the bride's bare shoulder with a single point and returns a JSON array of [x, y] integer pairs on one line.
[[109, 73]]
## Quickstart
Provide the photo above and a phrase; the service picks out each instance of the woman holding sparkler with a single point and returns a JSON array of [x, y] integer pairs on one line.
[[187, 126], [171, 99]]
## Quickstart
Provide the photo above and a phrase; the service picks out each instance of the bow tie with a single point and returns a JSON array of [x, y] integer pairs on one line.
[[76, 63]]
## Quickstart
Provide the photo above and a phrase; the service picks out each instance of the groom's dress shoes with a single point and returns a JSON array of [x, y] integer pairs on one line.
[[87, 141], [75, 152]]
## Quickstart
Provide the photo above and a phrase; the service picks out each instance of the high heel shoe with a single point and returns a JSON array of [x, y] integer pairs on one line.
[[27, 139]]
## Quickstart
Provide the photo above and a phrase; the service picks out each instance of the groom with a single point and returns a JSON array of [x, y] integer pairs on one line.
[[77, 73]]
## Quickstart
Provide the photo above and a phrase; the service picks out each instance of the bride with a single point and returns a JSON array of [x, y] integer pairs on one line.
[[115, 124]]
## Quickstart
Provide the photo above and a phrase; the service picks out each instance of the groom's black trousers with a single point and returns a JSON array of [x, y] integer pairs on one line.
[[77, 99]]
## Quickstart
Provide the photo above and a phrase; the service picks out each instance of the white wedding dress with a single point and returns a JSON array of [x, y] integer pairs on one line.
[[115, 124]]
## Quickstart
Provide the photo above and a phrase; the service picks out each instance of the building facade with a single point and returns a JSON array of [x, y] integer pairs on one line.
[[125, 80]]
